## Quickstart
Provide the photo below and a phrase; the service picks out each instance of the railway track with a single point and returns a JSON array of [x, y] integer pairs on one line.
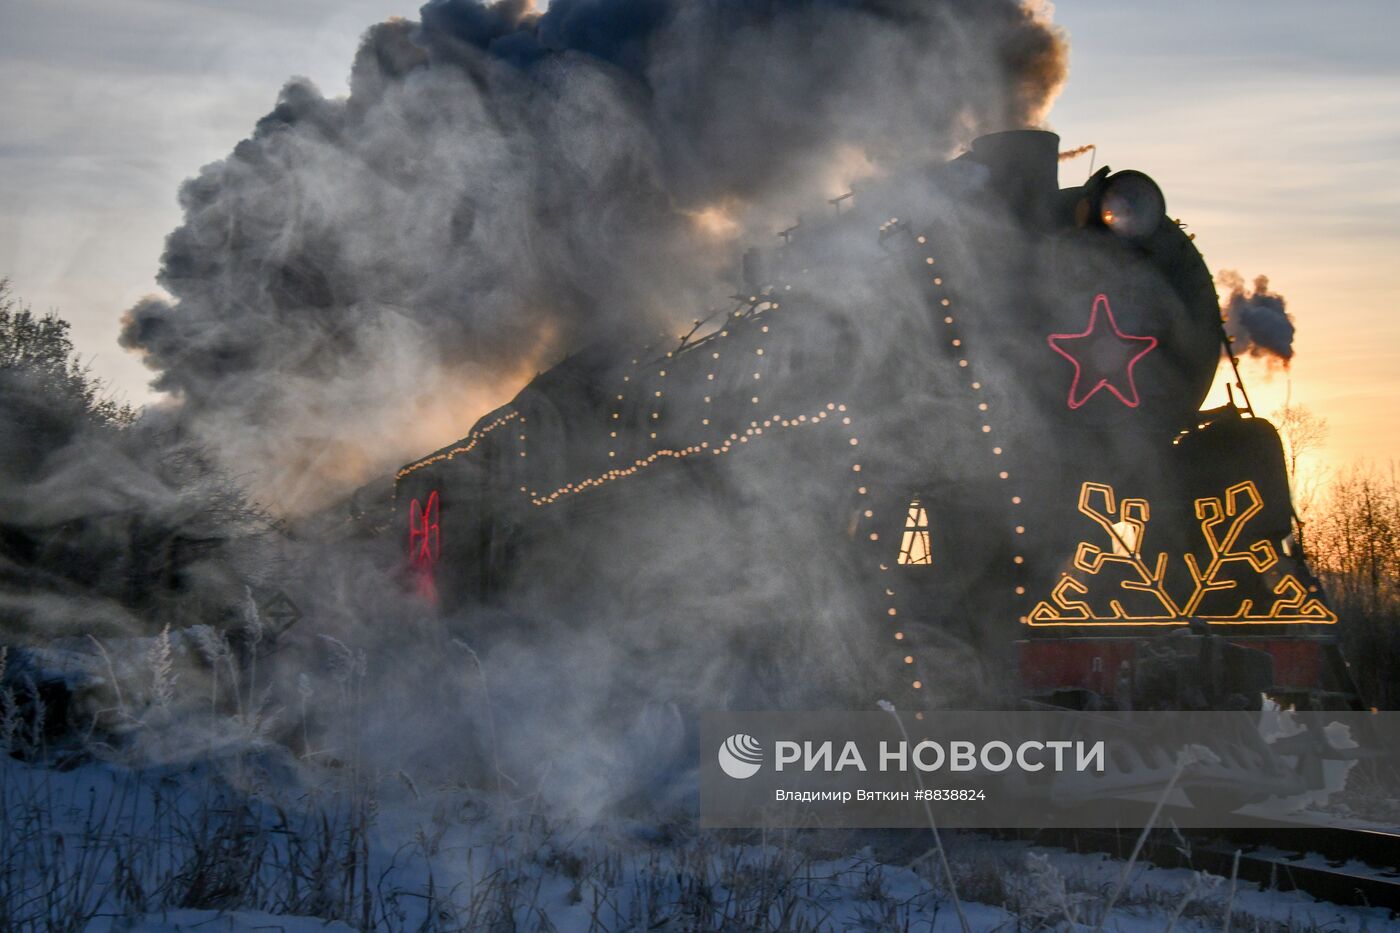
[[1350, 867]]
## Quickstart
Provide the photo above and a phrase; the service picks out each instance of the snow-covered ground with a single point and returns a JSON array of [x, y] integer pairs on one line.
[[103, 847]]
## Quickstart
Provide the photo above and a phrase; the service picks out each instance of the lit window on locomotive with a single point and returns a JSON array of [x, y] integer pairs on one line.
[[915, 547]]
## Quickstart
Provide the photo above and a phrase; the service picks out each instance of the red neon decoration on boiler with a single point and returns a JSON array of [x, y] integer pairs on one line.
[[425, 542], [1101, 354]]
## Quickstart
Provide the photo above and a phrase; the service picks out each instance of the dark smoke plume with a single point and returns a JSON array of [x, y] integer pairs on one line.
[[1257, 320], [362, 277], [1076, 152]]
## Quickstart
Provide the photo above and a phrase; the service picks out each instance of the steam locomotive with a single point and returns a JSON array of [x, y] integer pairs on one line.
[[946, 445]]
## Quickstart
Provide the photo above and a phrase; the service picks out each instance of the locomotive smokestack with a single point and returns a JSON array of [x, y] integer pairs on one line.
[[1025, 167]]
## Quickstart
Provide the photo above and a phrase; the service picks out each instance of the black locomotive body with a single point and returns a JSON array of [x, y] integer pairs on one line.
[[957, 421]]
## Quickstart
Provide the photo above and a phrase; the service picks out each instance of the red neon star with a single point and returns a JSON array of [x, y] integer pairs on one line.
[[1101, 355]]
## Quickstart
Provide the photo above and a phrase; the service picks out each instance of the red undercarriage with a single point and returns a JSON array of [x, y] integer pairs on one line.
[[1093, 663]]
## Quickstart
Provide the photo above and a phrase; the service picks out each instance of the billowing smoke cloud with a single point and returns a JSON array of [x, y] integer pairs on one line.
[[1256, 319], [362, 277]]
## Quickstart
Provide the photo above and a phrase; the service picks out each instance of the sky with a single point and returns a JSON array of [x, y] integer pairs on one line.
[[1273, 129]]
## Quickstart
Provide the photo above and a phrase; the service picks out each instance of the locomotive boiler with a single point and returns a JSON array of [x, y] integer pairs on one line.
[[946, 446]]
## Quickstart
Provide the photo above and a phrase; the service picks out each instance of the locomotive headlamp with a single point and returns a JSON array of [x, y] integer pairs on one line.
[[1132, 205]]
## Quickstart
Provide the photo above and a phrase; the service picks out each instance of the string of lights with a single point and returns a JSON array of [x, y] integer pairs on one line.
[[728, 445], [718, 444], [958, 343], [473, 439]]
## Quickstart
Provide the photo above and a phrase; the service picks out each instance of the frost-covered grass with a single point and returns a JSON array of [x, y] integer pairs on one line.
[[185, 812], [101, 846], [102, 841]]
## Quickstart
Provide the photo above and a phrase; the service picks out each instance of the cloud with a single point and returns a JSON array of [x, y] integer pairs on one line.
[[362, 277]]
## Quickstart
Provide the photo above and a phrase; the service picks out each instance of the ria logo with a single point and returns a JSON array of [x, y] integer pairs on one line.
[[740, 756]]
